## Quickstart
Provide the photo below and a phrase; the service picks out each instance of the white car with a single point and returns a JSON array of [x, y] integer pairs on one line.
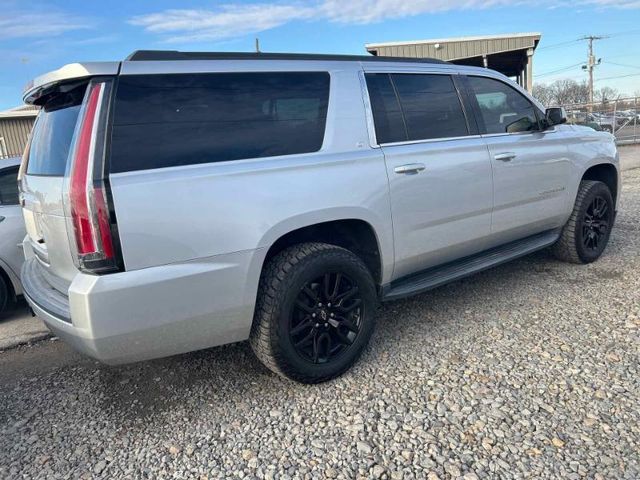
[[12, 233]]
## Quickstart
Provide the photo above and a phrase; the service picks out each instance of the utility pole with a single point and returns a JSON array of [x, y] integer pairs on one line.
[[591, 63]]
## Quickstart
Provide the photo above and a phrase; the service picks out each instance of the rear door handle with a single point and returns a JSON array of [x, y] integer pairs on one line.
[[410, 168], [505, 156]]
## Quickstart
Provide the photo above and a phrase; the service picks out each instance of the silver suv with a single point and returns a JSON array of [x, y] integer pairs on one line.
[[177, 201]]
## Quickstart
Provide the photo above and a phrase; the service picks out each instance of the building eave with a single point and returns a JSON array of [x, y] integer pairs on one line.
[[373, 46]]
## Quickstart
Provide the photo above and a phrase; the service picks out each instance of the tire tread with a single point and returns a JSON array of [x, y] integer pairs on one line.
[[273, 285], [565, 248]]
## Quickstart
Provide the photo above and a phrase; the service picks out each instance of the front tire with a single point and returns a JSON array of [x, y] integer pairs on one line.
[[586, 234], [315, 312]]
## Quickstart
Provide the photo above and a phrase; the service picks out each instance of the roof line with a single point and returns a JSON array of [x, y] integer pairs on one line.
[[18, 113], [159, 55], [456, 39]]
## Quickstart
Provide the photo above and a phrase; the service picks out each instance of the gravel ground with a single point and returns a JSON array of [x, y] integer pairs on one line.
[[530, 370]]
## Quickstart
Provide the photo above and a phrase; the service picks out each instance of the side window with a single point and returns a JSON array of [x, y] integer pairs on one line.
[[9, 186], [431, 106], [182, 119], [387, 115], [415, 107], [502, 108]]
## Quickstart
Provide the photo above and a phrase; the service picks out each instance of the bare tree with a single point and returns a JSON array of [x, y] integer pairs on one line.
[[543, 93], [562, 92], [606, 94], [569, 91]]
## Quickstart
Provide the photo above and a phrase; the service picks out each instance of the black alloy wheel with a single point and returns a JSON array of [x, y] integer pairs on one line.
[[315, 312], [325, 318], [586, 234], [595, 224]]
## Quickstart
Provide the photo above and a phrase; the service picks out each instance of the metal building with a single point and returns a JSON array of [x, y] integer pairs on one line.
[[510, 54], [15, 126]]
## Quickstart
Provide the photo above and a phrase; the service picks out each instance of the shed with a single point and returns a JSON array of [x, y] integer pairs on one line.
[[510, 54], [15, 126]]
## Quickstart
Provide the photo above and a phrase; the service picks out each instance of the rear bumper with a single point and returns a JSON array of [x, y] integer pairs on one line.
[[153, 312], [35, 285]]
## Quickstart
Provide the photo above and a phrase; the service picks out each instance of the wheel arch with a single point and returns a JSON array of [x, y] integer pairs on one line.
[[353, 233], [606, 173]]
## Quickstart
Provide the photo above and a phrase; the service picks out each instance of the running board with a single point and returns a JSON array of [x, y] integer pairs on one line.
[[436, 276]]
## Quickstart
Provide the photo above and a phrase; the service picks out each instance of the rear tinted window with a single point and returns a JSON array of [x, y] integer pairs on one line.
[[171, 120], [415, 107], [387, 114], [431, 106], [53, 132]]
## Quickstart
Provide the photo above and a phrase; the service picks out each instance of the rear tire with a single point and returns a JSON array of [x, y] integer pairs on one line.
[[6, 295], [586, 234], [315, 312]]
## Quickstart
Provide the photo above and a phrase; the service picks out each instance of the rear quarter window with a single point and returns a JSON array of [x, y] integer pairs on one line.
[[182, 119]]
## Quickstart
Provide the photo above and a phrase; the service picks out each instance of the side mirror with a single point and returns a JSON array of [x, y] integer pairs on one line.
[[555, 116]]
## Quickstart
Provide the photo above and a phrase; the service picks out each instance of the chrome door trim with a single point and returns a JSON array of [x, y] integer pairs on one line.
[[368, 110], [429, 140]]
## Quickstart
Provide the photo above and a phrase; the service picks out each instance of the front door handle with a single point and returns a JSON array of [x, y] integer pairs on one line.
[[505, 156], [410, 168]]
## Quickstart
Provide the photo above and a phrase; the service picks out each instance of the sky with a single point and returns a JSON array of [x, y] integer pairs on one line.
[[39, 36]]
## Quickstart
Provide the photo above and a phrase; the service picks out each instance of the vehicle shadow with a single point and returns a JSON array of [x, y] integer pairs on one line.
[[231, 373]]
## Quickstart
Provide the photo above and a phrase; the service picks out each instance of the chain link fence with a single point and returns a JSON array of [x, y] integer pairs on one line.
[[621, 117]]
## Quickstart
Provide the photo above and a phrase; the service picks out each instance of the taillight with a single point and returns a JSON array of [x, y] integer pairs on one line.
[[88, 203]]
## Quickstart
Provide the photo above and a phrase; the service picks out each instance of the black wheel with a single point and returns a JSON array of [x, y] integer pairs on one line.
[[587, 232], [315, 312]]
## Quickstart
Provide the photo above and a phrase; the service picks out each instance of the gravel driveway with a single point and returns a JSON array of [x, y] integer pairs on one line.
[[530, 370]]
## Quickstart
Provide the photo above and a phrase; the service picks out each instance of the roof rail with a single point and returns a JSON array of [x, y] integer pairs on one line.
[[156, 55]]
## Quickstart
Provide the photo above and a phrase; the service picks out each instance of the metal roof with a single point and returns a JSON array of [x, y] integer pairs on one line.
[[154, 55], [456, 39], [20, 111], [452, 49]]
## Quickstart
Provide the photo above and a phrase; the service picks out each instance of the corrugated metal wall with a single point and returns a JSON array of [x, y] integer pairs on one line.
[[455, 50], [15, 132]]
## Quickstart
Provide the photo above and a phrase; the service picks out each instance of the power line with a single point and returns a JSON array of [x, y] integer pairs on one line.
[[615, 77], [571, 42], [556, 45], [551, 72], [628, 32], [622, 65], [591, 61]]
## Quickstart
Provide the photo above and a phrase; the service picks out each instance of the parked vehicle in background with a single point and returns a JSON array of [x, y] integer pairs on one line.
[[598, 121], [619, 117], [12, 233], [212, 198], [610, 121], [583, 118]]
